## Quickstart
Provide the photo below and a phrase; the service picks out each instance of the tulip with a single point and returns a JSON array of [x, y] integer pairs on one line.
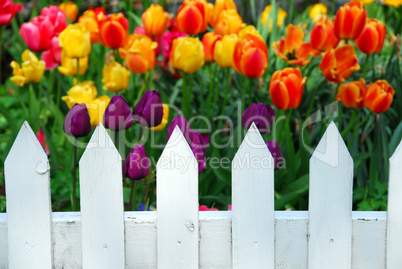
[[158, 39], [352, 94], [149, 110], [393, 3], [366, 2], [71, 10], [155, 20], [40, 135], [96, 109], [113, 30], [165, 119], [75, 41], [350, 20], [224, 51], [199, 156], [83, 92], [57, 17], [220, 5], [371, 39], [205, 208], [229, 22], [250, 29], [198, 140], [139, 53], [292, 49], [118, 114], [276, 153], [183, 125], [100, 12], [379, 96], [317, 11], [136, 165], [209, 41], [266, 19], [69, 65], [115, 77], [322, 36], [8, 10], [77, 122], [166, 47], [251, 56], [52, 56], [91, 22], [187, 54], [192, 16], [262, 115], [31, 69], [37, 33], [338, 64], [286, 88]]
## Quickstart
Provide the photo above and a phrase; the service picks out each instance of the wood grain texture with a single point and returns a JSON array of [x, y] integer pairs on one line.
[[253, 204], [102, 212], [330, 203], [177, 203], [28, 203]]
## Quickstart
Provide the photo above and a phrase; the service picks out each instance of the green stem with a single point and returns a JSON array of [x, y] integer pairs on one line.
[[217, 89], [190, 93], [130, 202], [243, 99], [143, 88], [357, 128], [373, 74], [74, 202], [58, 98], [150, 80], [225, 97], [211, 90], [351, 124], [365, 66], [1, 49], [131, 91], [313, 97], [250, 91], [286, 123], [185, 96]]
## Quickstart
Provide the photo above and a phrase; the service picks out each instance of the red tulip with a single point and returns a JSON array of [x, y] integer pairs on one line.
[[322, 36], [8, 10], [57, 17], [379, 96], [113, 30], [37, 33], [192, 17], [350, 20], [372, 37]]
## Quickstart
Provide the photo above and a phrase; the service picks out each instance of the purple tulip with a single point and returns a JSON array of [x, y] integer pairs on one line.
[[263, 116], [199, 156], [180, 121], [276, 153], [136, 165], [118, 114], [77, 122], [149, 110], [198, 140]]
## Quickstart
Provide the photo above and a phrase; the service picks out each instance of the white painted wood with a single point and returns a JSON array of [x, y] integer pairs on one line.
[[253, 204], [394, 231], [28, 203], [330, 203], [102, 204], [177, 203]]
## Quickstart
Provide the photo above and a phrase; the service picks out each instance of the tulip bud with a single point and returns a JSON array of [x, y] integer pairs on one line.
[[37, 33], [149, 110], [350, 20], [322, 36], [209, 41], [199, 156], [352, 94], [115, 77], [113, 30], [197, 140], [90, 20], [276, 153], [183, 124], [220, 5], [193, 16], [379, 96], [165, 119], [96, 109], [266, 19], [118, 114], [136, 165], [139, 53], [71, 10], [155, 20], [224, 51], [372, 37], [8, 10], [262, 115], [77, 122], [83, 92], [75, 41], [317, 11], [229, 22], [187, 54], [56, 16]]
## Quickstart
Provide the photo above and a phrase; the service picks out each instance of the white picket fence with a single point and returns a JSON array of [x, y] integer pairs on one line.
[[176, 236]]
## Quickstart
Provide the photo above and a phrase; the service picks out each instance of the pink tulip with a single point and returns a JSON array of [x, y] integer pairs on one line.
[[52, 56], [37, 33], [8, 10], [205, 208], [57, 17]]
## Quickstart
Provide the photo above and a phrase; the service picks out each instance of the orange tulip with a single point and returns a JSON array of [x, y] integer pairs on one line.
[[379, 96], [250, 29], [220, 5], [292, 49], [352, 94], [155, 20], [322, 36], [338, 64], [71, 10], [286, 88], [350, 20], [139, 53], [250, 57], [192, 16], [229, 22], [208, 41], [372, 37], [113, 30], [90, 20]]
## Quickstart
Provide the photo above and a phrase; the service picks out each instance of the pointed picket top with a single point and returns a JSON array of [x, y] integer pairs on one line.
[[394, 223], [102, 211], [177, 205], [28, 203], [330, 223], [253, 203]]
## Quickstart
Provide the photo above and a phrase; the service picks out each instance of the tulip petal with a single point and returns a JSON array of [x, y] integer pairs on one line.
[[294, 37], [254, 63], [279, 94]]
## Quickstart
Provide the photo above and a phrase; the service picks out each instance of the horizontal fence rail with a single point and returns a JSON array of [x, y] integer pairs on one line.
[[253, 235]]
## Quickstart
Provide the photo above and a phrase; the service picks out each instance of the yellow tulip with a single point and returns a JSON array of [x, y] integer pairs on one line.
[[317, 11], [224, 50], [165, 119], [115, 77], [250, 29], [394, 3], [31, 69], [366, 2], [75, 41], [96, 109], [81, 93], [279, 18], [68, 65], [187, 54]]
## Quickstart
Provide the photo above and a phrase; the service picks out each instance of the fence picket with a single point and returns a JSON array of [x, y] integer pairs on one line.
[[102, 212], [394, 222], [330, 203], [253, 204], [28, 201], [177, 203]]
